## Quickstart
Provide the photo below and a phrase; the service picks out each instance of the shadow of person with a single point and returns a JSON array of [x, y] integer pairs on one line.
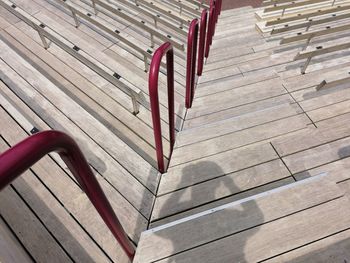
[[221, 220]]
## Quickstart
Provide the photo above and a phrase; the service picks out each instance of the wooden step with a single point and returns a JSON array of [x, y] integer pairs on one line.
[[234, 124], [253, 229]]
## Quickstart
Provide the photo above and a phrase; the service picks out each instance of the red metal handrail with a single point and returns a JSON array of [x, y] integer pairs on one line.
[[191, 62], [167, 49], [219, 6], [201, 46], [23, 155], [210, 31]]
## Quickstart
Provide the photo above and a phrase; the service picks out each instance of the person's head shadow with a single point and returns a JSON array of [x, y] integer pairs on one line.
[[205, 188]]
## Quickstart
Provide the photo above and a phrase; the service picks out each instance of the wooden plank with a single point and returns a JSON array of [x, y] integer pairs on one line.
[[237, 111], [135, 93], [96, 21], [335, 247], [158, 19], [238, 139], [165, 12], [54, 216], [183, 6], [295, 4], [224, 72], [93, 100], [242, 220], [274, 238], [4, 23], [219, 202], [330, 111], [190, 173], [236, 97], [310, 138], [338, 171], [221, 187], [97, 156], [309, 35], [137, 78], [330, 18], [231, 82], [241, 122], [27, 227], [317, 156], [307, 14], [11, 250], [77, 203]]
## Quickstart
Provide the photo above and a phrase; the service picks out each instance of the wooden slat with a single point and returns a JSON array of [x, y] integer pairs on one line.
[[11, 249], [237, 111], [76, 202], [227, 200], [294, 5], [108, 166], [195, 235], [130, 188], [238, 139], [230, 125], [317, 156], [33, 235], [307, 14], [236, 97], [65, 229], [274, 238], [310, 35], [221, 187], [204, 169]]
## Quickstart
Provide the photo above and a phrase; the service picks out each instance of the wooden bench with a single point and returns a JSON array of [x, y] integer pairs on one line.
[[45, 32], [317, 51]]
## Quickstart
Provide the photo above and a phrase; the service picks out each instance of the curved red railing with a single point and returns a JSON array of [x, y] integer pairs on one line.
[[191, 62], [201, 46], [210, 31], [23, 155], [165, 49]]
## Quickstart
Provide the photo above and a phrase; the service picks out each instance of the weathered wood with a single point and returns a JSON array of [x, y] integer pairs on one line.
[[274, 238], [230, 125], [317, 156], [190, 173], [221, 187], [93, 100], [81, 118], [236, 97], [27, 227], [11, 249], [310, 138], [336, 247], [237, 111], [227, 200], [97, 156], [307, 14], [53, 215], [251, 213], [238, 139]]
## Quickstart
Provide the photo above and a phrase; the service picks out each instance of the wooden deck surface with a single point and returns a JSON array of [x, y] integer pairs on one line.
[[257, 124]]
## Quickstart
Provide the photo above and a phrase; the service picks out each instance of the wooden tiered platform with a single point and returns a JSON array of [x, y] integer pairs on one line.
[[260, 169]]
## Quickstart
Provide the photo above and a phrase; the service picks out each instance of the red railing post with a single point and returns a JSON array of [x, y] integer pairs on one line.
[[202, 34], [23, 155], [210, 31], [191, 62], [167, 49], [219, 6]]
